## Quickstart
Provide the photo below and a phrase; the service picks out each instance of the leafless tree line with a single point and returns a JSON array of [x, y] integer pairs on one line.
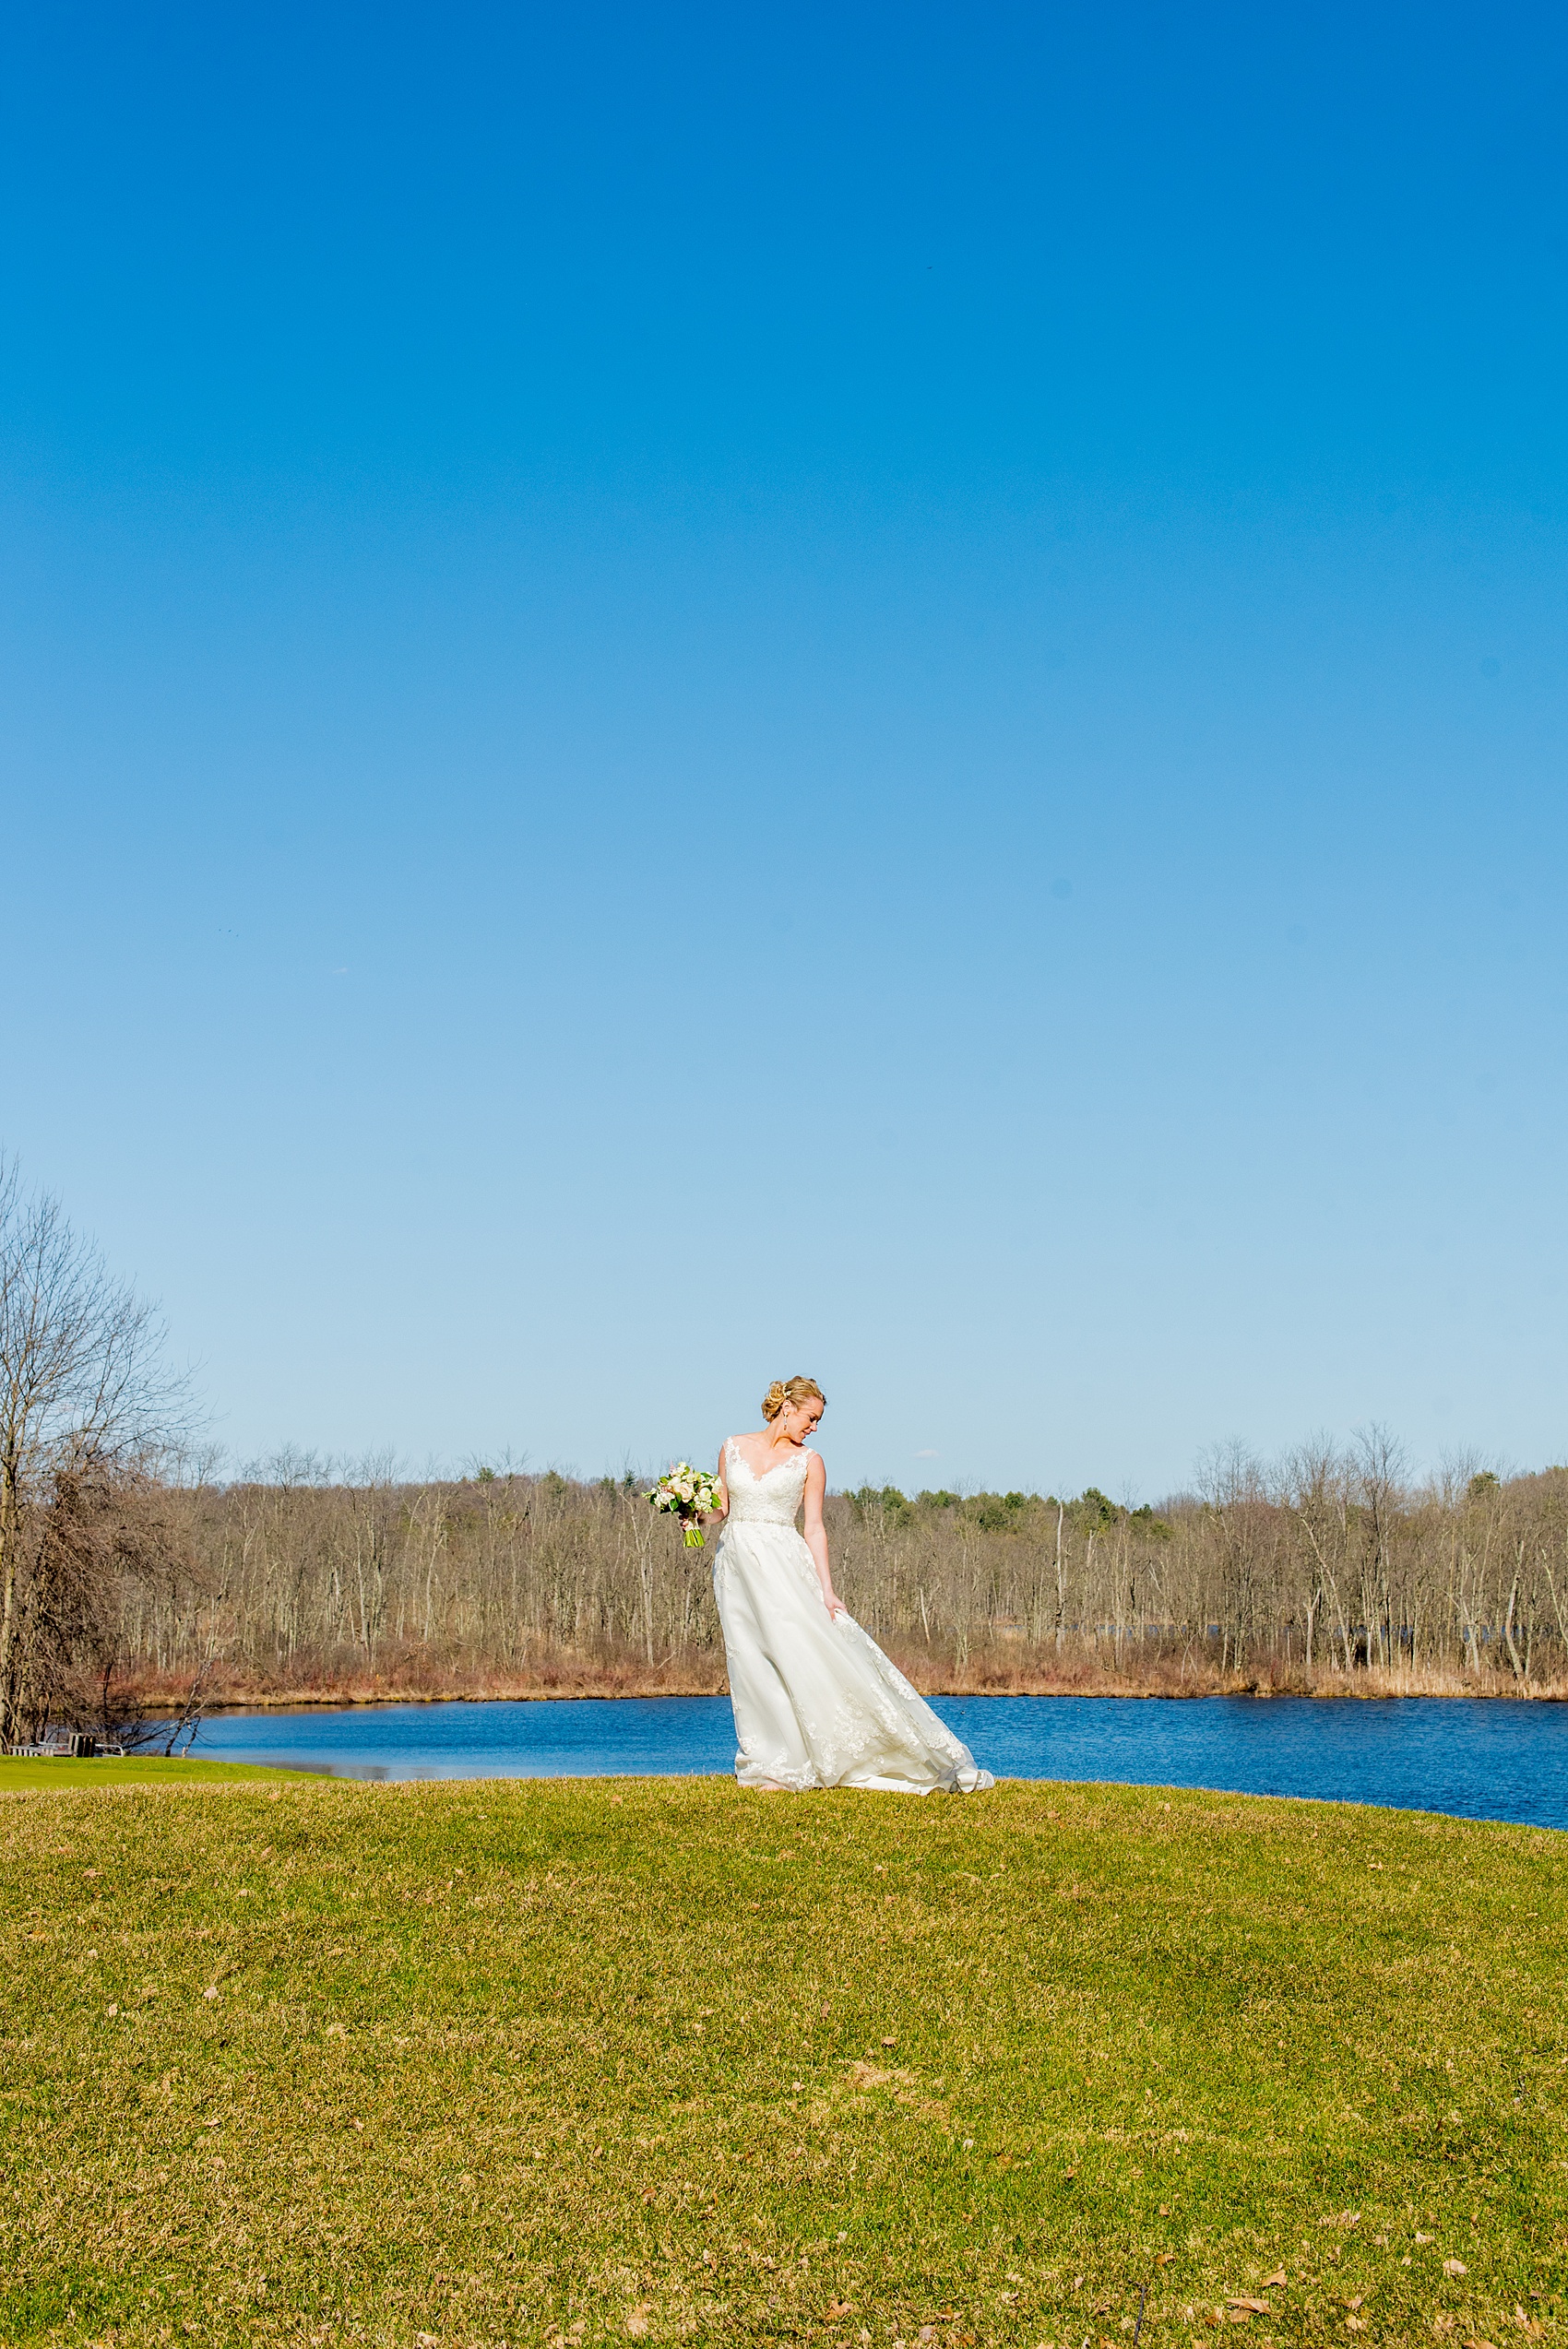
[[1333, 1566]]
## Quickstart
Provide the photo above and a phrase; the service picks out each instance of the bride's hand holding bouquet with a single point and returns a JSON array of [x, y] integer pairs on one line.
[[689, 1494]]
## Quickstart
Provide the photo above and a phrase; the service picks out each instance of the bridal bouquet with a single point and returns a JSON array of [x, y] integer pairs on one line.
[[687, 1493]]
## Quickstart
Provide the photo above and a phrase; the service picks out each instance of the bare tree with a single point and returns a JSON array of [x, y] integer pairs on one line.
[[1378, 1484], [1232, 1484], [1312, 1489], [87, 1408]]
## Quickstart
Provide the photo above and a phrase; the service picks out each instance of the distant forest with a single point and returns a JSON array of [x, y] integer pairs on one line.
[[1334, 1570]]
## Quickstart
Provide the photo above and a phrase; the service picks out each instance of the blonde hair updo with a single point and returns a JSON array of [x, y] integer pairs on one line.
[[788, 1394]]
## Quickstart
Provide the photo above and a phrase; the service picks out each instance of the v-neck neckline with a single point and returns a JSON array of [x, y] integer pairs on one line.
[[760, 1475]]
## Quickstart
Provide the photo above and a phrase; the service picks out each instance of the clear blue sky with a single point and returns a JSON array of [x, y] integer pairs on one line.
[[695, 692]]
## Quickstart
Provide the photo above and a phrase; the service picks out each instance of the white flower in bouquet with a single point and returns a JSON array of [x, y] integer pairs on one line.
[[689, 1494]]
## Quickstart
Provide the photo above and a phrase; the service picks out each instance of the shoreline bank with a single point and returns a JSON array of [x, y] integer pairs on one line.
[[606, 1684]]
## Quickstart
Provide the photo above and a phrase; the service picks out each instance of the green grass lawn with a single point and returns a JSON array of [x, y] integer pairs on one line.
[[300, 2061]]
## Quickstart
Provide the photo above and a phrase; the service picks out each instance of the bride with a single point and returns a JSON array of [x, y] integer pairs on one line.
[[816, 1702]]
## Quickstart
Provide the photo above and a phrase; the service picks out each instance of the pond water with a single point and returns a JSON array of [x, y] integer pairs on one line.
[[1479, 1759]]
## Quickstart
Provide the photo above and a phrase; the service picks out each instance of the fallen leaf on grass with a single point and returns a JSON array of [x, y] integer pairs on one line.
[[1454, 2267], [1253, 2308], [1278, 2281], [1477, 2344], [836, 2308], [1163, 2259], [636, 2322], [1357, 2324]]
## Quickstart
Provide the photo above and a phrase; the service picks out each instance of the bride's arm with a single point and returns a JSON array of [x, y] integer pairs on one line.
[[723, 1508], [816, 1534]]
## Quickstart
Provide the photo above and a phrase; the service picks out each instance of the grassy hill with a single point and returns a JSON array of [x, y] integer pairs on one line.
[[307, 2061]]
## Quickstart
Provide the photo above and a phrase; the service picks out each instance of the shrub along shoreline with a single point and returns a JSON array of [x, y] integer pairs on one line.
[[425, 1683]]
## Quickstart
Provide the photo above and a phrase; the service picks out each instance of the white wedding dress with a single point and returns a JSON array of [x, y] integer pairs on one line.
[[816, 1702]]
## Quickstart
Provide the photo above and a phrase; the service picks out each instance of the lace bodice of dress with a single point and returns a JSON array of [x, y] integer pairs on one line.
[[771, 1499]]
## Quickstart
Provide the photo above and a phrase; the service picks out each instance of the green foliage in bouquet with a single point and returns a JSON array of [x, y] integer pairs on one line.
[[689, 1494]]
